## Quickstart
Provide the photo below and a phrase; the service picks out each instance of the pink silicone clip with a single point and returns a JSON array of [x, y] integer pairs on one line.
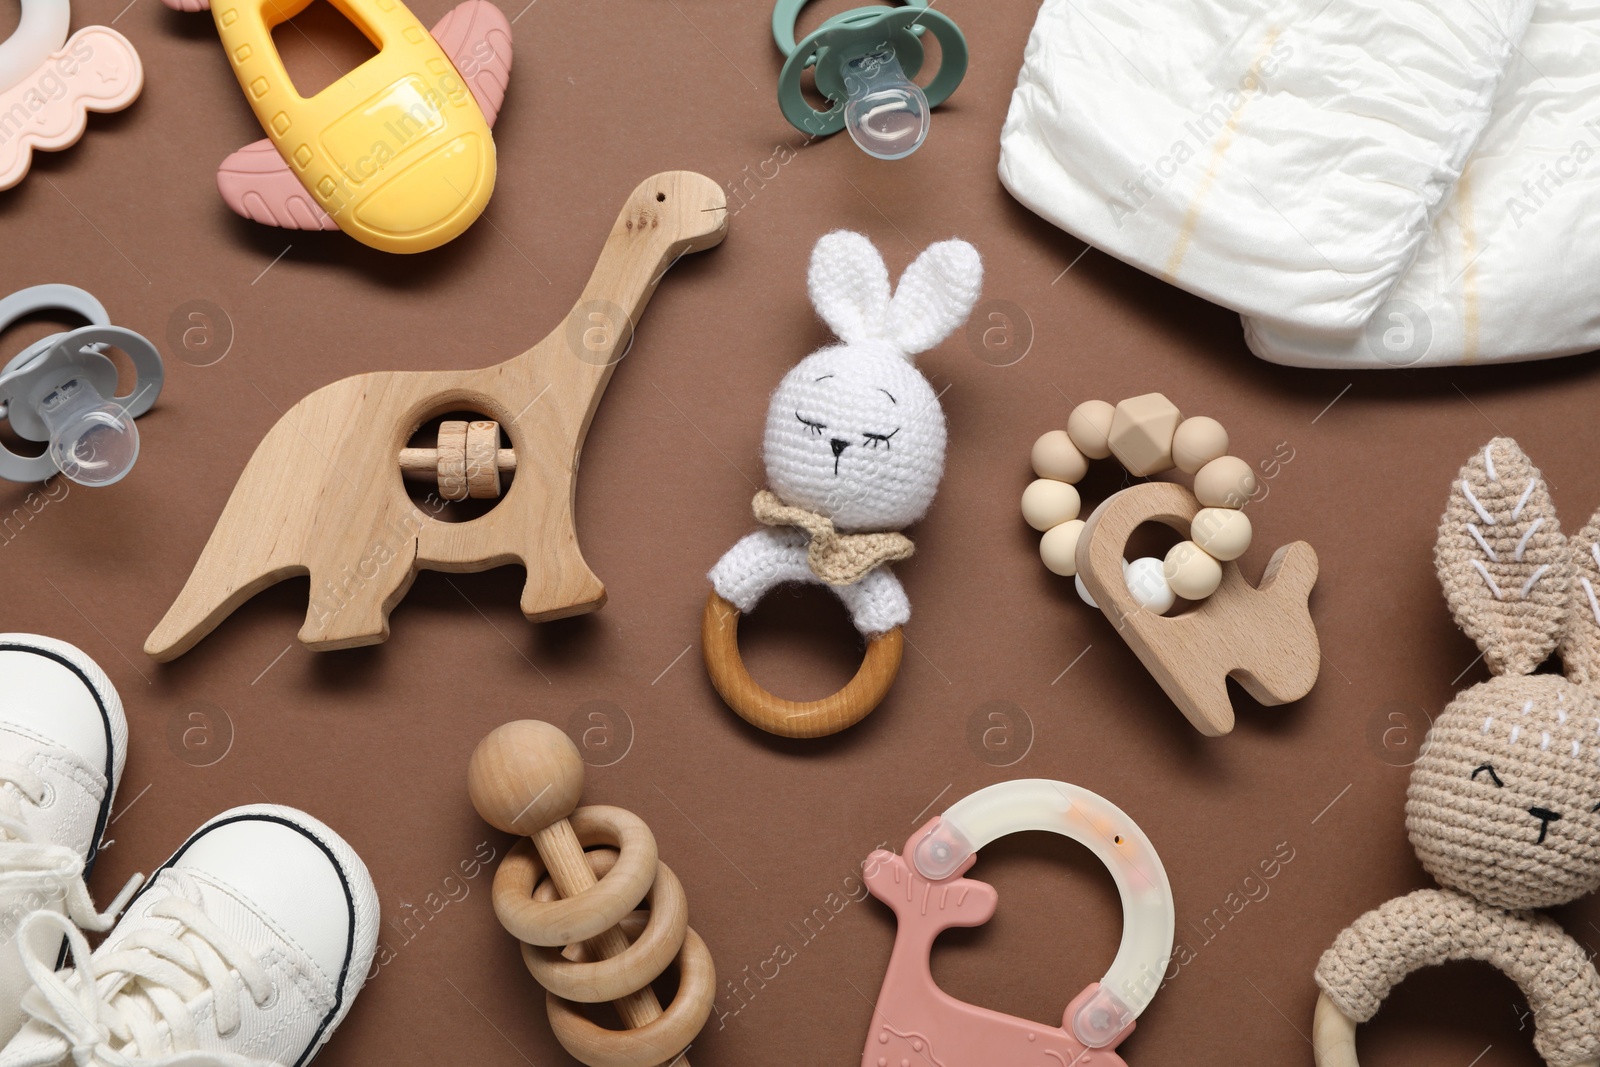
[[917, 1023]]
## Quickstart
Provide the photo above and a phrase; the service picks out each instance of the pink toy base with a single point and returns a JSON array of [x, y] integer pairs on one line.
[[95, 70], [917, 1024], [256, 182]]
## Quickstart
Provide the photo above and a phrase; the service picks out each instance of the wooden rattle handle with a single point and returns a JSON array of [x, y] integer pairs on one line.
[[551, 894], [564, 859]]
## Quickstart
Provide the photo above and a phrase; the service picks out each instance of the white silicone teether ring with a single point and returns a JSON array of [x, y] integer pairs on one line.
[[43, 30], [1149, 920]]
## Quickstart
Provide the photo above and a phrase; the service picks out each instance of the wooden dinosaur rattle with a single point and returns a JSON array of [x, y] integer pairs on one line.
[[323, 494], [525, 778]]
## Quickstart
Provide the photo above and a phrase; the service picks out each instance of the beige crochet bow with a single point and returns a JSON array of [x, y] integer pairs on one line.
[[835, 558]]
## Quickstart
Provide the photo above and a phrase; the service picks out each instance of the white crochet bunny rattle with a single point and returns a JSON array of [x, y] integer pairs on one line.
[[854, 450]]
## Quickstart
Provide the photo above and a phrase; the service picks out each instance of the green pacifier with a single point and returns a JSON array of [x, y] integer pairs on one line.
[[865, 60]]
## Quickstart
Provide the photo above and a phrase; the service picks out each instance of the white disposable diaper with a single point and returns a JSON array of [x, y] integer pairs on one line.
[[1511, 269], [1284, 159]]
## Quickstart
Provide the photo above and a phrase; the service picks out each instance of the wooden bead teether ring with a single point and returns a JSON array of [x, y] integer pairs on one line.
[[1261, 636], [526, 778], [719, 637]]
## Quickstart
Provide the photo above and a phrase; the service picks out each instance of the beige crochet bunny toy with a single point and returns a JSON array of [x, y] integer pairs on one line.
[[1503, 807]]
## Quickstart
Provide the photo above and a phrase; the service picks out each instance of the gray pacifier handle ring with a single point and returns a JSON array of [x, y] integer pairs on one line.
[[92, 339]]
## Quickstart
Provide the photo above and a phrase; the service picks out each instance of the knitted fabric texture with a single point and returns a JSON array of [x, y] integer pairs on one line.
[[1431, 926], [1580, 644], [855, 439], [1502, 559], [1503, 807], [835, 558], [1501, 752], [777, 555]]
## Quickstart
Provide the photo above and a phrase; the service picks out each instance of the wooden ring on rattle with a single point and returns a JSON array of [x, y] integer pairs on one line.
[[1333, 1037], [592, 912], [719, 636], [659, 1040], [651, 952]]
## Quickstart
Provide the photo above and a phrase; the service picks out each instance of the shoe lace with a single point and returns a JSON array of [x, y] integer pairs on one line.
[[131, 1006], [35, 873]]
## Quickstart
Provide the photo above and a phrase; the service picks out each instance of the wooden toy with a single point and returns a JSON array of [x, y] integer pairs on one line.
[[1502, 799], [1263, 637], [916, 1022], [323, 493], [854, 450], [49, 83], [525, 778], [397, 153]]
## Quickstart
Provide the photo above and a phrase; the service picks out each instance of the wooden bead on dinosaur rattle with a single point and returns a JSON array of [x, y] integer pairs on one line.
[[526, 778], [467, 461]]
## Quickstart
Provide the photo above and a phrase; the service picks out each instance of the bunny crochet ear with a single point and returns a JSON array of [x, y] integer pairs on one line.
[[935, 295], [1503, 561], [849, 286], [1580, 644]]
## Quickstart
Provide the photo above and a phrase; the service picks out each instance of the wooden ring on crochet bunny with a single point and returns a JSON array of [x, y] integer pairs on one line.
[[854, 450], [525, 778], [1503, 806], [913, 1015]]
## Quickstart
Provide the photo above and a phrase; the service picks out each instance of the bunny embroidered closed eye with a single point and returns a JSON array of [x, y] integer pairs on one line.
[[854, 449]]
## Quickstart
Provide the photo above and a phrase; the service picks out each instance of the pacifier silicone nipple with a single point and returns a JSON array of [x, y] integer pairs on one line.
[[886, 113], [92, 440]]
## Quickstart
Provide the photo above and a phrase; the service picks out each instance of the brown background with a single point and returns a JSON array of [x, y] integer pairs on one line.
[[376, 740]]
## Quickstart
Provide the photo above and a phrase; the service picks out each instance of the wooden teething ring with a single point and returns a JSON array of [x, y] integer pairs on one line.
[[561, 922], [719, 638], [1333, 1037], [656, 943], [525, 778]]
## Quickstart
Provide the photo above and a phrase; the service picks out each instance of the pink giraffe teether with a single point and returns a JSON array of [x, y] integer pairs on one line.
[[916, 1022]]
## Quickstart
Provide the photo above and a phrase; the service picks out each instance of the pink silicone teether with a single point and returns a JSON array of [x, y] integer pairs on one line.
[[257, 184], [916, 1022], [48, 110]]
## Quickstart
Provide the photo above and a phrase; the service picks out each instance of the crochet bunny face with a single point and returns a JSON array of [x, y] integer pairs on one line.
[[1503, 801], [854, 431]]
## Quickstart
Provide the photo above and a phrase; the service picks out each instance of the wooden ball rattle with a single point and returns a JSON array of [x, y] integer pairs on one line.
[[525, 778], [1261, 636]]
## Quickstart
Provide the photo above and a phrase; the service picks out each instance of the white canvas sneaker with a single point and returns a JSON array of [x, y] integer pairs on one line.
[[63, 739], [246, 949]]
